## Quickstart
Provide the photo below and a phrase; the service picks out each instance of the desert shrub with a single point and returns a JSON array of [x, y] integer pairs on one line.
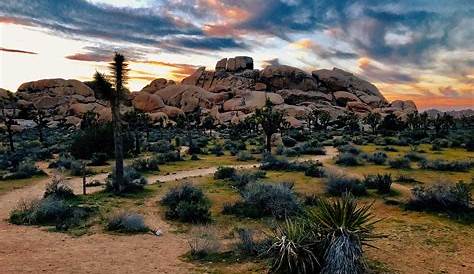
[[194, 157], [64, 162], [378, 157], [311, 148], [349, 149], [127, 222], [291, 152], [145, 164], [314, 171], [48, 211], [441, 197], [133, 181], [348, 159], [25, 169], [242, 179], [99, 159], [234, 146], [400, 163], [223, 172], [244, 155], [77, 169], [288, 141], [445, 165], [345, 227], [293, 248], [203, 241], [247, 244], [57, 188], [380, 182], [259, 200], [270, 162], [161, 146], [338, 185], [217, 150], [415, 157], [166, 157], [187, 203]]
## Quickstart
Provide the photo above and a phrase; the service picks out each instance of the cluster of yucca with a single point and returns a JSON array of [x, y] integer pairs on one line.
[[327, 239]]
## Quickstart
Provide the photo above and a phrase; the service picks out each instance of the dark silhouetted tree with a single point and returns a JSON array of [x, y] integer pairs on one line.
[[270, 120], [137, 122], [373, 119], [114, 93]]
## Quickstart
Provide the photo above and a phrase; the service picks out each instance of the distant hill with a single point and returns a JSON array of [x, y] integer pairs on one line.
[[454, 113]]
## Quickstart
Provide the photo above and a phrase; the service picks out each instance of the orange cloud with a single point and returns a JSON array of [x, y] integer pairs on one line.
[[363, 62], [304, 44], [14, 21], [178, 71]]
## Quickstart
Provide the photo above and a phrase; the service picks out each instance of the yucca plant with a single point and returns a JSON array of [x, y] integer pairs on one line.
[[346, 227], [293, 248]]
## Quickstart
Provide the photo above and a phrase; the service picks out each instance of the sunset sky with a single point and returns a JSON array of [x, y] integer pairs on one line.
[[421, 50]]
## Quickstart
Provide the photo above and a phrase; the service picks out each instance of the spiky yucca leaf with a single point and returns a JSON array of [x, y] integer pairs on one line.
[[346, 226], [292, 248]]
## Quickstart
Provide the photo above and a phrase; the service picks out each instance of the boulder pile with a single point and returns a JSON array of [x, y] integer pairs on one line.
[[229, 93]]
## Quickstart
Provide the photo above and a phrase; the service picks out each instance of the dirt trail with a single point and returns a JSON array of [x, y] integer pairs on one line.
[[32, 249]]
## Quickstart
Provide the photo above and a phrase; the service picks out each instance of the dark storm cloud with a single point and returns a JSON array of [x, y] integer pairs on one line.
[[84, 19]]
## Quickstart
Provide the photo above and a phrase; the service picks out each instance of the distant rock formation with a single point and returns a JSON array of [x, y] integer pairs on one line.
[[229, 93]]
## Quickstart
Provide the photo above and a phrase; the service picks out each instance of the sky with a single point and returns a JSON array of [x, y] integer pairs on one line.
[[420, 50]]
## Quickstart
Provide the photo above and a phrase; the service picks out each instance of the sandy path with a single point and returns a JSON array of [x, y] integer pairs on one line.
[[33, 250]]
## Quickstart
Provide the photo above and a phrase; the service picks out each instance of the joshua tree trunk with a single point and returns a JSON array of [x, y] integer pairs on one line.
[[10, 139], [137, 142], [269, 143], [118, 143]]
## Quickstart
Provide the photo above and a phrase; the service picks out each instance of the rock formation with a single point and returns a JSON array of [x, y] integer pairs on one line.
[[229, 93]]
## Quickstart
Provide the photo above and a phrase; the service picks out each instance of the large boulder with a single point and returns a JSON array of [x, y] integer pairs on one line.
[[53, 87], [295, 97], [250, 100], [342, 97], [297, 112], [4, 94], [340, 80], [188, 98], [278, 77], [157, 84], [147, 102]]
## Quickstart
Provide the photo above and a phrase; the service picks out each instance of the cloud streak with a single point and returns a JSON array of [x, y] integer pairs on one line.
[[17, 51]]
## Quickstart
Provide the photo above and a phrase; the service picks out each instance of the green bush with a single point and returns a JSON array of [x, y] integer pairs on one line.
[[415, 157], [443, 197], [244, 155], [259, 200], [217, 150], [48, 211], [348, 159], [380, 182], [338, 185], [444, 165], [400, 163], [58, 189], [170, 156], [314, 171], [187, 203], [145, 164], [224, 172], [378, 157], [126, 222]]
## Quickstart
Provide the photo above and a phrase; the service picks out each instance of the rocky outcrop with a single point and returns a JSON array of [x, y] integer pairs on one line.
[[230, 93], [340, 80], [285, 77]]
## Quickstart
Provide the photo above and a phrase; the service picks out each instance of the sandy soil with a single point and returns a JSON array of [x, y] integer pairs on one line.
[[33, 250]]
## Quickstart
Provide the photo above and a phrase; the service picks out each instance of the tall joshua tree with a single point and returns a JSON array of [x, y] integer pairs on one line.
[[270, 120], [113, 92]]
